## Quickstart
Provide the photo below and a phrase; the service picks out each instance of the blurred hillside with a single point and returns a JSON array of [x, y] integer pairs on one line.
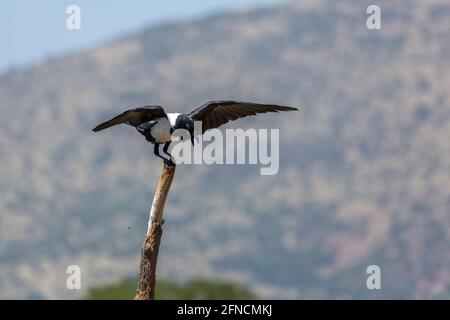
[[365, 165]]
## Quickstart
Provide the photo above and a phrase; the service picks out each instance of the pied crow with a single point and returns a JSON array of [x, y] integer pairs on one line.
[[157, 126]]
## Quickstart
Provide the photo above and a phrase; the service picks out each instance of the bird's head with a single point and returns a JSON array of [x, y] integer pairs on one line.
[[185, 122]]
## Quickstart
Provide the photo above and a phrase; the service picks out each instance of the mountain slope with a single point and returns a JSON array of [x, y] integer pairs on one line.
[[364, 174]]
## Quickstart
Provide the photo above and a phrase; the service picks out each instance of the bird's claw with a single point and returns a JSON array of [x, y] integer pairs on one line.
[[170, 163]]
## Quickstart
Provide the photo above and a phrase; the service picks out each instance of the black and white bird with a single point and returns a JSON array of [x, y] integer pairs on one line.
[[157, 126]]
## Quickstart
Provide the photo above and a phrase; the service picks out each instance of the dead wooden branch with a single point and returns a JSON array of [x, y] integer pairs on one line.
[[149, 254]]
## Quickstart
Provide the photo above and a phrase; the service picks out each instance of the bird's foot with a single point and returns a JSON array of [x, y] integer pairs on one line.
[[170, 163]]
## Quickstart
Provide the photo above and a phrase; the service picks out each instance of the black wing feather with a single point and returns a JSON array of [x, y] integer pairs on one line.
[[216, 113], [134, 117]]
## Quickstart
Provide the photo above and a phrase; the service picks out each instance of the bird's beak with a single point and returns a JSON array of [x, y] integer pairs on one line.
[[192, 139]]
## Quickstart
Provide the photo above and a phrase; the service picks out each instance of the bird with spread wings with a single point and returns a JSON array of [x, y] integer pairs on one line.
[[157, 126]]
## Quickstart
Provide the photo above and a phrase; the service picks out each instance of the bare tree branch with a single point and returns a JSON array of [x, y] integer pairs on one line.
[[150, 248]]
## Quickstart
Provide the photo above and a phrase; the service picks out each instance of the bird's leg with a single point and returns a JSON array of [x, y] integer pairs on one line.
[[170, 163], [165, 148], [156, 152]]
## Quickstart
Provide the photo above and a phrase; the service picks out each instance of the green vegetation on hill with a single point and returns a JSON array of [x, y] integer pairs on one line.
[[197, 289]]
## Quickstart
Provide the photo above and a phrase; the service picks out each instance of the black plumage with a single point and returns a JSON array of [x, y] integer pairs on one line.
[[216, 113], [134, 117], [157, 125]]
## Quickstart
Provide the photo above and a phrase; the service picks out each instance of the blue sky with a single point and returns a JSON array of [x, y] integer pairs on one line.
[[31, 30]]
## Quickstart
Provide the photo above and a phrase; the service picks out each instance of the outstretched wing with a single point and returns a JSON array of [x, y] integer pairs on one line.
[[216, 113], [134, 117]]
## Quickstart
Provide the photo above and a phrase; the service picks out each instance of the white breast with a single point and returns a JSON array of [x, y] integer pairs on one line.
[[161, 130], [172, 118]]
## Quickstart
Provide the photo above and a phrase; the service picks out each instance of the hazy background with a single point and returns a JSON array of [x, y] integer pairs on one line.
[[364, 171], [32, 30]]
